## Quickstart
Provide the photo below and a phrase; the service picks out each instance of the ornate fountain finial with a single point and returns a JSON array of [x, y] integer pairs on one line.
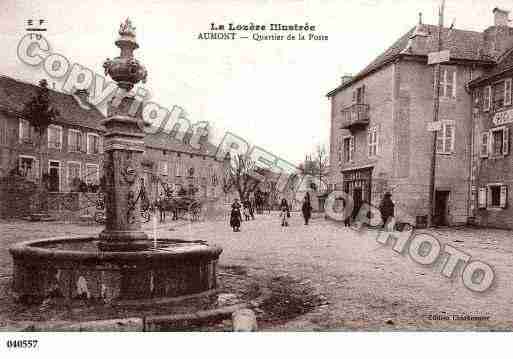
[[125, 69], [126, 28]]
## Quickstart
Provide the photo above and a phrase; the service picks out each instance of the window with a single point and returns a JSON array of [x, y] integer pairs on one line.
[[359, 96], [499, 141], [448, 82], [178, 170], [348, 148], [445, 138], [372, 141], [487, 98], [497, 194], [73, 173], [163, 168], [74, 140], [55, 137], [92, 174], [27, 167], [26, 132], [484, 144], [93, 143], [507, 92], [498, 95]]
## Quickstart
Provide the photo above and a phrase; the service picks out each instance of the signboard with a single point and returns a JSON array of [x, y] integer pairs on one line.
[[438, 57], [434, 126], [501, 118]]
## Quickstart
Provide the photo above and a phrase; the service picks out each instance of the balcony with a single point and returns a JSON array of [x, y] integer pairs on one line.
[[355, 116]]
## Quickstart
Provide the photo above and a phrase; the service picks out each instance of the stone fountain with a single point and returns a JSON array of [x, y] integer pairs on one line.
[[122, 263]]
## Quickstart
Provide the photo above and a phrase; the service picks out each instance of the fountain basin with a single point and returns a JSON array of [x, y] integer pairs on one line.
[[74, 268]]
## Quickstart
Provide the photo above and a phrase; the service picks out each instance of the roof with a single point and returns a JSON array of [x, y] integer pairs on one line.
[[463, 45], [14, 94], [164, 141], [504, 64]]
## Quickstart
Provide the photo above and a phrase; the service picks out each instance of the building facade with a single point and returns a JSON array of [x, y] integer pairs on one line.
[[379, 122], [492, 162], [70, 151], [70, 148]]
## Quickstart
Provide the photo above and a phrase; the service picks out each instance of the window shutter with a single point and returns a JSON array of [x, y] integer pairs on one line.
[[363, 94], [62, 177], [488, 197], [36, 173], [484, 145], [454, 77], [505, 141], [507, 92], [84, 143], [481, 200], [351, 148], [504, 196], [487, 98], [354, 96], [100, 144]]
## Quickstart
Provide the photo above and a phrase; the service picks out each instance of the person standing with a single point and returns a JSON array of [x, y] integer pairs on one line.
[[235, 216], [160, 205], [386, 207], [284, 213], [306, 208]]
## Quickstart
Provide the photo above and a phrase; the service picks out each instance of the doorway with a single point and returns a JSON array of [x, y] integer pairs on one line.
[[357, 200], [54, 176], [440, 217]]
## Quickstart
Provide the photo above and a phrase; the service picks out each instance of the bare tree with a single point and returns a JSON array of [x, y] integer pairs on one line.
[[240, 175]]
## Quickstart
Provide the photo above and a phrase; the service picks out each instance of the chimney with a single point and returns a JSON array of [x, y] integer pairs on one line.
[[500, 17], [346, 78], [83, 95]]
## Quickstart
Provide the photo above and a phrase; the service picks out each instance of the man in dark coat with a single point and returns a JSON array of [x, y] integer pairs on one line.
[[306, 208], [386, 208]]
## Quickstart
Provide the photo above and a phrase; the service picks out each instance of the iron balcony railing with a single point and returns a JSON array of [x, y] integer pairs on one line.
[[355, 115]]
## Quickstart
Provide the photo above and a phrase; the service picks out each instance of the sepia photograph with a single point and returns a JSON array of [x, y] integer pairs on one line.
[[332, 169]]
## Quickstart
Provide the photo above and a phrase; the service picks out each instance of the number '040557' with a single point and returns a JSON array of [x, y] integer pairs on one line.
[[22, 344]]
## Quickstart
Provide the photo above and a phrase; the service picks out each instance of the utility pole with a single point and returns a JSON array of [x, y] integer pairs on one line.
[[436, 105]]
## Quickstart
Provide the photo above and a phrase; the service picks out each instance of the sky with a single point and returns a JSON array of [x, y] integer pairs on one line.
[[272, 93]]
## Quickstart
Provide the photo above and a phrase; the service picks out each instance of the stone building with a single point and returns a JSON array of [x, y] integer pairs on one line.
[[379, 121], [70, 149], [181, 168]]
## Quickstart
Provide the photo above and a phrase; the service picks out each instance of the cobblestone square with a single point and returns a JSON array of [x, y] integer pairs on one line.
[[364, 285]]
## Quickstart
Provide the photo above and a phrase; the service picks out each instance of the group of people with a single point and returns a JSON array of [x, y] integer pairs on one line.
[[236, 215]]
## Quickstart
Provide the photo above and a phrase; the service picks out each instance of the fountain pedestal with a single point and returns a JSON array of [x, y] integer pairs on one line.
[[123, 146]]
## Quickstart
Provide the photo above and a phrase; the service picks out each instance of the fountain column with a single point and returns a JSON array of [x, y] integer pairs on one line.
[[123, 148]]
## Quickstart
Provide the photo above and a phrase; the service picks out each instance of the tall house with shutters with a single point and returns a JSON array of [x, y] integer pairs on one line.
[[492, 163], [379, 122]]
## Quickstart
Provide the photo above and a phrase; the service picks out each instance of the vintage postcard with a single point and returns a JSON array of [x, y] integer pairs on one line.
[[255, 166]]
